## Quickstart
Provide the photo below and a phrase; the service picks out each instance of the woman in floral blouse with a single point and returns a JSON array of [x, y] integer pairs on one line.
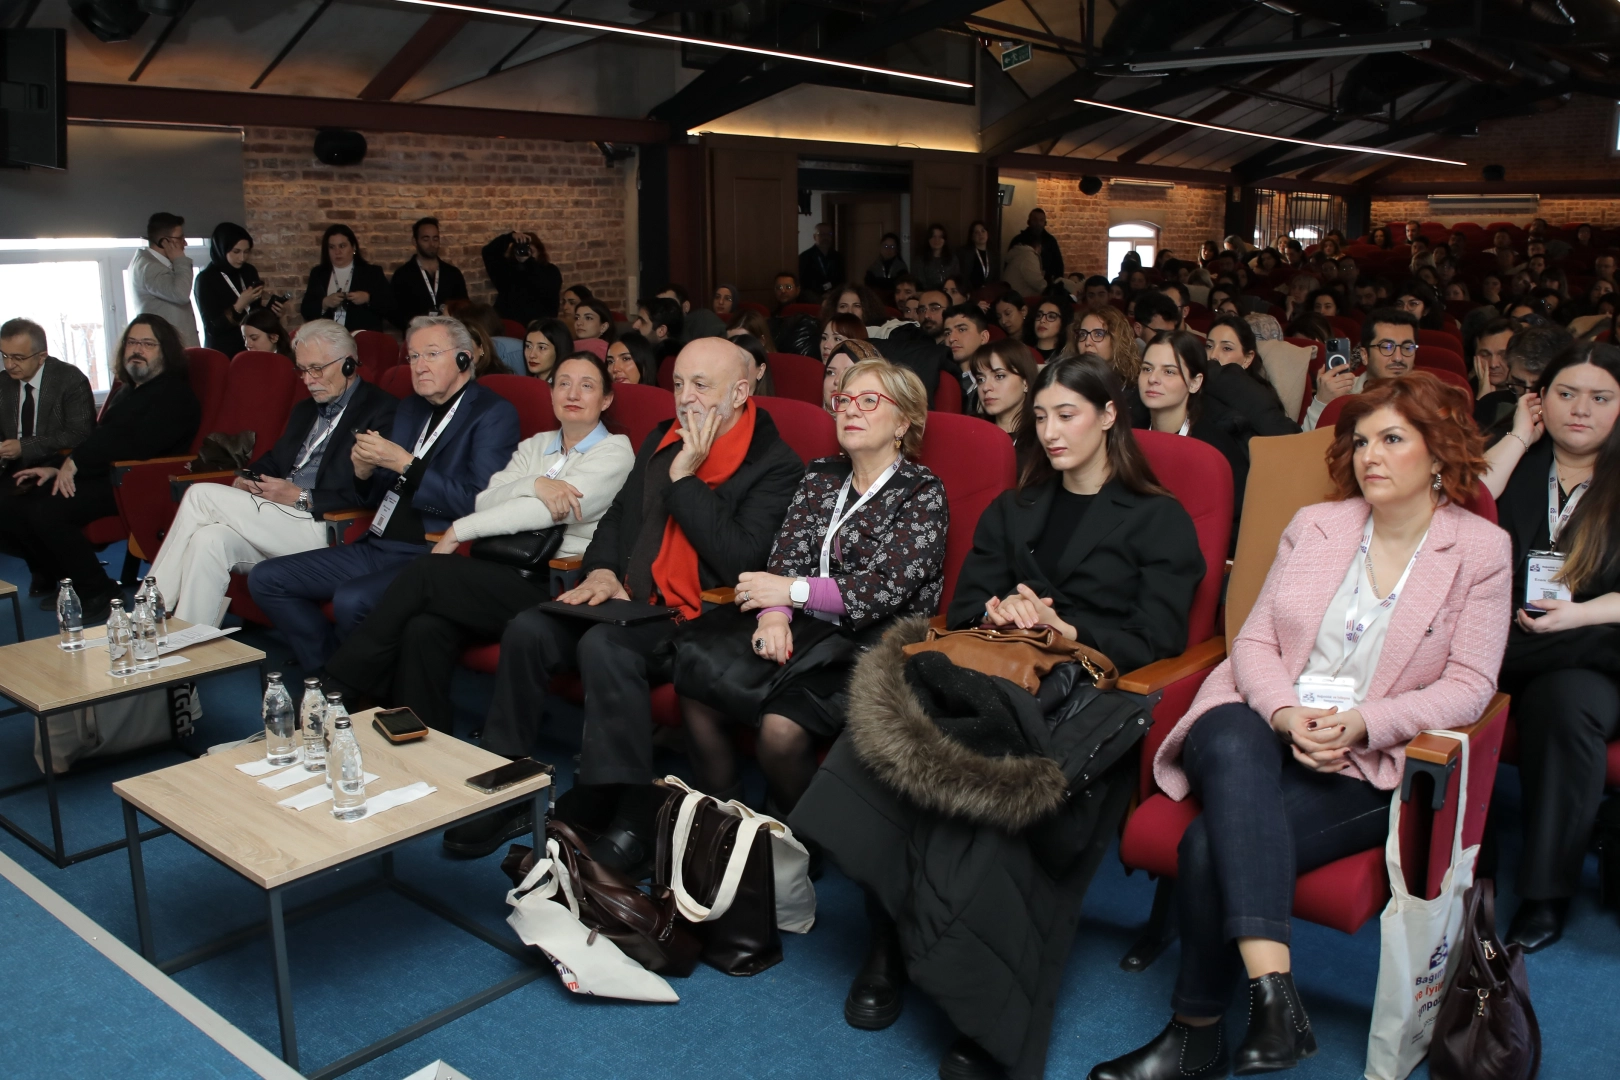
[[820, 597]]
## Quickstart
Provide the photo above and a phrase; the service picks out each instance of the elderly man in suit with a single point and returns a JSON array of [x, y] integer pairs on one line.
[[277, 511], [445, 443]]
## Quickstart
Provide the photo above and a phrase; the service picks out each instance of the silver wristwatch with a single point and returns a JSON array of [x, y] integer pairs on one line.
[[303, 501]]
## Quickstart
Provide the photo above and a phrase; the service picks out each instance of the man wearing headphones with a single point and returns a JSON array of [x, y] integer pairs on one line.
[[274, 506], [444, 444]]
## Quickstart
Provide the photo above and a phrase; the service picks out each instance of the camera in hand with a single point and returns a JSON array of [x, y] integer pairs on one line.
[[522, 250]]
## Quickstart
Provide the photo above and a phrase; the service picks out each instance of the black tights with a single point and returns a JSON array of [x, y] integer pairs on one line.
[[786, 754]]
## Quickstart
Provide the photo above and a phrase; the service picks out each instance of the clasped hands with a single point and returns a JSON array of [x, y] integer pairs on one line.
[[371, 451], [1321, 739], [1025, 610]]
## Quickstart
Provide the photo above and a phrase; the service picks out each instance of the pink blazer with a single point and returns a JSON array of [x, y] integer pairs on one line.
[[1441, 654]]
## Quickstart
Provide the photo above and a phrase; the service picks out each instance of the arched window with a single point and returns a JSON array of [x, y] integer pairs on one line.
[[1141, 237]]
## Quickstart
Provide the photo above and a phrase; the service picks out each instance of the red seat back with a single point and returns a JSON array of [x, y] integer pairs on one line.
[[1347, 326], [1200, 478], [1482, 504], [792, 310], [378, 353], [397, 381], [666, 373], [1446, 375], [260, 390], [512, 329], [797, 377], [809, 429], [1438, 357], [637, 409], [206, 371], [532, 399], [755, 306], [948, 394], [1441, 338], [974, 460], [1330, 413], [591, 344]]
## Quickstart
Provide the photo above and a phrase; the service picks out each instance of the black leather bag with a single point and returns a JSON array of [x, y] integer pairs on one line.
[[1486, 1028], [526, 552]]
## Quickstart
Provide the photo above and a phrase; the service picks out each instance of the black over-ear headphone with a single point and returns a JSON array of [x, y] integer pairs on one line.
[[350, 366], [463, 360]]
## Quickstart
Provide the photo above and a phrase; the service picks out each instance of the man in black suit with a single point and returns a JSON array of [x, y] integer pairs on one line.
[[153, 413], [307, 474], [424, 283], [821, 269]]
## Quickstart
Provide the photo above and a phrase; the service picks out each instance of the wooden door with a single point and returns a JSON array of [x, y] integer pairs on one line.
[[756, 216], [859, 222], [946, 193]]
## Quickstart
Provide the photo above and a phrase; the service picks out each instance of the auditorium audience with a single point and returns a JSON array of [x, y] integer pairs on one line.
[[724, 303], [632, 359], [661, 321], [229, 289], [1044, 244], [504, 354], [838, 329], [844, 355], [1239, 382], [1012, 312], [975, 258], [1105, 333], [764, 385], [425, 283], [936, 261], [1021, 268], [527, 284], [821, 269], [1170, 385], [697, 323], [345, 288], [308, 473], [1388, 350], [749, 321], [160, 277], [572, 297], [593, 319], [887, 266], [545, 342], [785, 290], [1048, 331], [262, 331], [46, 408], [1003, 372]]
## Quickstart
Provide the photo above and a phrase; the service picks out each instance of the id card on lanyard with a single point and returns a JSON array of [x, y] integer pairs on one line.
[[840, 517], [424, 443], [432, 284], [1544, 567], [303, 458]]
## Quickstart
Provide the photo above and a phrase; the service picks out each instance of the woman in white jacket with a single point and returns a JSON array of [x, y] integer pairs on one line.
[[406, 651]]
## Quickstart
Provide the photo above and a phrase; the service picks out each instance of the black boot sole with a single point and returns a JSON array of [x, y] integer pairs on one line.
[[1309, 1050], [514, 828], [867, 1019]]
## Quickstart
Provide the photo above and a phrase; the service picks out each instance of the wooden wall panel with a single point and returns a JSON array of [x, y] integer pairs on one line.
[[949, 193], [755, 214]]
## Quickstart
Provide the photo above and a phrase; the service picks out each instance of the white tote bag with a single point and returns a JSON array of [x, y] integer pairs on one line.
[[795, 893], [1417, 938], [588, 962]]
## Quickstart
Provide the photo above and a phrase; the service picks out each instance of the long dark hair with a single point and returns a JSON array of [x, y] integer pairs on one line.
[[1434, 313], [1256, 369], [610, 332], [339, 229], [269, 323], [1095, 381], [1065, 316], [645, 355], [1591, 538], [174, 353], [1193, 358], [561, 336]]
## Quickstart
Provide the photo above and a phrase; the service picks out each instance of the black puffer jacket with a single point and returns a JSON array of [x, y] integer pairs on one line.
[[976, 814]]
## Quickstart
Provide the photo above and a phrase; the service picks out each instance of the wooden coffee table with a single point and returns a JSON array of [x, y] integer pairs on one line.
[[9, 591], [44, 680], [234, 819]]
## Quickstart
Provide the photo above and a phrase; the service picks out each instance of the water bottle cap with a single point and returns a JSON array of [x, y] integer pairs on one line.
[[117, 605], [342, 721], [66, 583], [274, 676], [311, 680]]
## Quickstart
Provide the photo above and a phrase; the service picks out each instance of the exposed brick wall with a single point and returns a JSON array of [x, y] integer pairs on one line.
[[1573, 141], [1603, 212], [1191, 215], [476, 187]]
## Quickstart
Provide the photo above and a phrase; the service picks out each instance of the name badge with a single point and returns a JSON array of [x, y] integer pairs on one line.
[[1326, 692], [379, 521], [1539, 585]]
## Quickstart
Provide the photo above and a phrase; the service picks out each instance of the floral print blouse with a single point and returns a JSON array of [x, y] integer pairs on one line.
[[888, 558]]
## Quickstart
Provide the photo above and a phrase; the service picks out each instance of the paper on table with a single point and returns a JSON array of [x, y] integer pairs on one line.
[[259, 766], [397, 797], [291, 777], [315, 796], [194, 635], [167, 661]]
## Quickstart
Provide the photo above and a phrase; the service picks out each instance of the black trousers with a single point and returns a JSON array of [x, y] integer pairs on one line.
[[617, 666], [1266, 819], [1566, 720], [406, 650], [47, 531]]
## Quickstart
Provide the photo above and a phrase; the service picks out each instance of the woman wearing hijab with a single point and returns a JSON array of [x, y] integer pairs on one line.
[[229, 289], [345, 287]]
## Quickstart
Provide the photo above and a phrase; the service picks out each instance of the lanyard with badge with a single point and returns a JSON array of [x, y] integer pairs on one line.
[[1543, 568], [840, 518], [432, 284], [309, 451], [1339, 691], [424, 443]]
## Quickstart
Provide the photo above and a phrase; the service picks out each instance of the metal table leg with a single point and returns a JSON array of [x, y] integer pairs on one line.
[[542, 803], [50, 791], [16, 611], [137, 877], [284, 1001]]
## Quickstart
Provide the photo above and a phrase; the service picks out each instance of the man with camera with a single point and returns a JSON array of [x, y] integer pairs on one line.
[[1388, 348], [425, 283], [275, 505], [527, 284]]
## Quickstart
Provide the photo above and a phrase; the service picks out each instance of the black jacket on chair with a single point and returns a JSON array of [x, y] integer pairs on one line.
[[64, 412], [377, 313], [1126, 581], [1257, 406], [370, 409]]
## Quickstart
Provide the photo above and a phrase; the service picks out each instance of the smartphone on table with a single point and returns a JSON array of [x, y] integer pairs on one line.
[[399, 725], [505, 776]]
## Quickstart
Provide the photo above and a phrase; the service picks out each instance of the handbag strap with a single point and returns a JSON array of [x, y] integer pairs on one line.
[[1392, 846], [742, 844]]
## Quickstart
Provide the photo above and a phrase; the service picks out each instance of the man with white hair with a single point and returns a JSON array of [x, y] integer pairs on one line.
[[276, 508], [702, 505], [445, 442]]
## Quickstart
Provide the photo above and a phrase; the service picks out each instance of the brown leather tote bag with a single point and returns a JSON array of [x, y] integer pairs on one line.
[[1024, 657], [1486, 1028]]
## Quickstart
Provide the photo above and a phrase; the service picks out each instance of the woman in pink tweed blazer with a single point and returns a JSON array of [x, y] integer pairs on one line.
[[1385, 614]]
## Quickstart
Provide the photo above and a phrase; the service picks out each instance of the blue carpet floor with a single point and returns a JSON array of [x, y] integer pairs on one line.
[[363, 968]]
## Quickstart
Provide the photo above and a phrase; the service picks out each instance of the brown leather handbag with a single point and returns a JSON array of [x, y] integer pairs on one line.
[[1486, 1028], [1024, 657], [646, 928]]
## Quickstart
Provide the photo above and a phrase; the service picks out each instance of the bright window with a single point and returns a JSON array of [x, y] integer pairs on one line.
[[1139, 236]]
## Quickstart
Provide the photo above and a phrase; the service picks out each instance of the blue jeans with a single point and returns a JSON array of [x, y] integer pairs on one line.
[[1266, 819], [353, 576]]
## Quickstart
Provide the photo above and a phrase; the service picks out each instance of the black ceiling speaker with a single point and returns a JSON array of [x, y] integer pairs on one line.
[[336, 146], [1090, 185], [1494, 174], [110, 20]]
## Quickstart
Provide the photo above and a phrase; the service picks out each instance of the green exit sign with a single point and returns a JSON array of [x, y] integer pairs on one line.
[[1012, 57]]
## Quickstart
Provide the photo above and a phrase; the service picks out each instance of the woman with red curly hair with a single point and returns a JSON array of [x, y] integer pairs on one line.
[[1382, 616]]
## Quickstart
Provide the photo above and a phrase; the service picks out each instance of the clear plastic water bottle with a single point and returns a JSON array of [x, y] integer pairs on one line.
[[143, 635], [69, 617], [312, 719], [345, 772], [334, 709], [119, 651], [280, 736], [160, 610]]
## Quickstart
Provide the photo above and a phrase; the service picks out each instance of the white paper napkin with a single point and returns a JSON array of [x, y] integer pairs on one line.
[[294, 777], [259, 766], [316, 795]]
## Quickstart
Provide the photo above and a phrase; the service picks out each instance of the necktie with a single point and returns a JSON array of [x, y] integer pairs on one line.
[[27, 426]]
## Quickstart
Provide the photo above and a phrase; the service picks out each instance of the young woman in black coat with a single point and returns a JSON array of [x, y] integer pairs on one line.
[[229, 289], [1239, 384], [344, 287]]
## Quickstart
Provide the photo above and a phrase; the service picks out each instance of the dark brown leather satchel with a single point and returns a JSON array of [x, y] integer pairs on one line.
[[646, 928], [1024, 657], [1486, 1028], [743, 940]]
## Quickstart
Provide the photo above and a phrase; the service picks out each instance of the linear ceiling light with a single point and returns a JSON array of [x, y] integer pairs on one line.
[[1280, 55], [679, 39], [1350, 147]]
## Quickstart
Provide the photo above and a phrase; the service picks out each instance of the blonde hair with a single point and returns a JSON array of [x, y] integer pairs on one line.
[[906, 389]]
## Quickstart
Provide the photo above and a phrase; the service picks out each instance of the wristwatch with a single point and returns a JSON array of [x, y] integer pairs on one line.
[[303, 501], [799, 592]]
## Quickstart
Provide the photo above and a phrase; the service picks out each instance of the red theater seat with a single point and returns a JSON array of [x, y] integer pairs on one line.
[[809, 429], [637, 409], [798, 377], [532, 399]]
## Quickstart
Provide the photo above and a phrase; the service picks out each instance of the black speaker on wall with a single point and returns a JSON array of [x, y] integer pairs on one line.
[[1090, 185], [336, 146], [33, 98], [1494, 174]]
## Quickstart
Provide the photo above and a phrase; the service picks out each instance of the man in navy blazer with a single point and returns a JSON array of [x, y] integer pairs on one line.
[[447, 441]]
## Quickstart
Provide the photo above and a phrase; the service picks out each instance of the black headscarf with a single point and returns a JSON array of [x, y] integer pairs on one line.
[[227, 234]]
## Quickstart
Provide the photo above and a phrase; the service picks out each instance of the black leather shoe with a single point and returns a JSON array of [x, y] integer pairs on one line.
[[967, 1060], [1165, 1058], [97, 607], [1279, 1031], [877, 994], [483, 835], [1537, 924], [622, 849]]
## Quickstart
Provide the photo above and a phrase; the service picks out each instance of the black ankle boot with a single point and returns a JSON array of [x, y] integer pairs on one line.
[[967, 1060], [1537, 924], [1279, 1031], [1179, 1052], [876, 995]]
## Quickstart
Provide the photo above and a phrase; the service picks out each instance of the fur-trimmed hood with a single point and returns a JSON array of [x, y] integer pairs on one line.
[[894, 736]]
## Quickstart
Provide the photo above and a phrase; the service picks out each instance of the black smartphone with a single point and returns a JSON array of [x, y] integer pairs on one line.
[[513, 772], [249, 474], [399, 725], [1339, 354], [1534, 612]]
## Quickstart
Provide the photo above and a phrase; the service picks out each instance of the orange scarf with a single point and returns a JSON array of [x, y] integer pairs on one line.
[[675, 571]]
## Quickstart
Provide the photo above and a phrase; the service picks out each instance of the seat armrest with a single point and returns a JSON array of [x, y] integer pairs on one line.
[[719, 596], [1156, 676], [119, 468], [1438, 756], [179, 482], [572, 562], [433, 538], [339, 521]]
